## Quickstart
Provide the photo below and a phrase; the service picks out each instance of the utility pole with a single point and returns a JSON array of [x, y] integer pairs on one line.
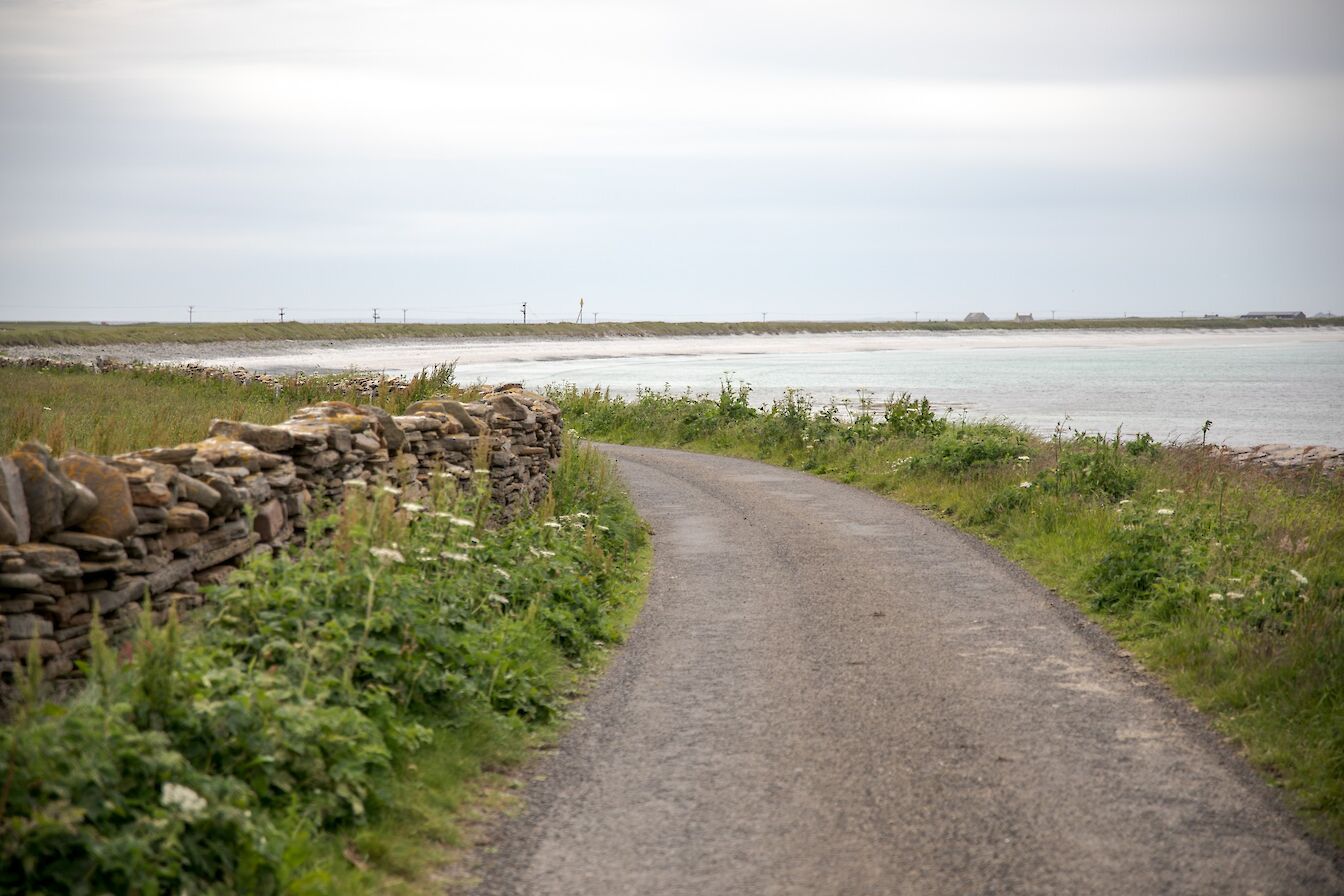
[[579, 319], [375, 315], [282, 315], [594, 318], [191, 310], [916, 317], [403, 315], [524, 313], [762, 317], [1182, 313], [1052, 314]]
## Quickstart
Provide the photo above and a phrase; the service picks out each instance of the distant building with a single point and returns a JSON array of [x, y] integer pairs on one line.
[[1023, 319], [1274, 315], [977, 317], [1324, 314]]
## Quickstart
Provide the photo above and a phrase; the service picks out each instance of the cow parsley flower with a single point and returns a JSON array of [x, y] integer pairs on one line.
[[1301, 579], [1165, 511], [181, 798], [388, 555]]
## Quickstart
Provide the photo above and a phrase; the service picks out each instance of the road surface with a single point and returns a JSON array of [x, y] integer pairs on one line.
[[828, 693]]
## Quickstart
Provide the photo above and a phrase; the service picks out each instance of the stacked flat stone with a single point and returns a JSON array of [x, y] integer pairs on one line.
[[114, 536]]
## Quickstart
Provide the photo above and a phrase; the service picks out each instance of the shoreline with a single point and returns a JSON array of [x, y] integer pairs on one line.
[[62, 335], [217, 351], [1279, 456]]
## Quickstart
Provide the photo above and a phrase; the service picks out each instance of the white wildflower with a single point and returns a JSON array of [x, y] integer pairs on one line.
[[1215, 596], [603, 528], [504, 573], [551, 524], [1165, 511], [1235, 595], [1023, 457], [412, 506], [453, 555], [181, 798], [1301, 579], [535, 552], [1124, 501], [462, 521], [355, 483], [390, 490], [1163, 491], [388, 555], [500, 599], [1024, 484], [480, 472]]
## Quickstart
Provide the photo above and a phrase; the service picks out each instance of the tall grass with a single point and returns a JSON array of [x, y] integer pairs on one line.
[[74, 334], [107, 413], [1227, 581]]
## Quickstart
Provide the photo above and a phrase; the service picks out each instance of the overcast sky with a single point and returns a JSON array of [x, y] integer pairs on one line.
[[682, 160]]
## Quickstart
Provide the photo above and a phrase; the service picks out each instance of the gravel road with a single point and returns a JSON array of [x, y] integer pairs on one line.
[[828, 693]]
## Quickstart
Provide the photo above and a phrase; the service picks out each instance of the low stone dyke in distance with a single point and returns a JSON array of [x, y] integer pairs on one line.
[[114, 536]]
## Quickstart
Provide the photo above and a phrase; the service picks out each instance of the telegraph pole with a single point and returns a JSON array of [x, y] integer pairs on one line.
[[524, 313], [375, 315], [579, 319], [191, 310], [282, 315], [403, 315], [1052, 314]]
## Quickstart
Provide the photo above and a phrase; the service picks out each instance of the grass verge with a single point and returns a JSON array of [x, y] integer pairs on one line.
[[1226, 581], [324, 713], [64, 333]]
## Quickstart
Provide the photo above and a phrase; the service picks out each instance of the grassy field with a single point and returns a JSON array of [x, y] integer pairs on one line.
[[108, 413], [329, 721], [1227, 582], [79, 333]]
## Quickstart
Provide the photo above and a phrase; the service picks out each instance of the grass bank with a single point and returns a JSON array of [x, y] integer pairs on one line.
[[315, 727], [61, 333], [1226, 581], [123, 410]]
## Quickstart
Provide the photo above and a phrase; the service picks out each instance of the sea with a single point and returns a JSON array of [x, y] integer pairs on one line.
[[1249, 386]]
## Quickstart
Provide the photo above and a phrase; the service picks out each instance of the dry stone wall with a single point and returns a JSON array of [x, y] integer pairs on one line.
[[114, 536]]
